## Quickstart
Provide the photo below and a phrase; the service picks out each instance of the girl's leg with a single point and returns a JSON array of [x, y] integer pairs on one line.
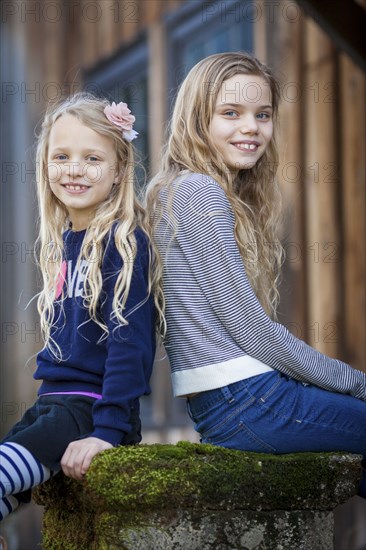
[[272, 413], [45, 430], [8, 505], [19, 471]]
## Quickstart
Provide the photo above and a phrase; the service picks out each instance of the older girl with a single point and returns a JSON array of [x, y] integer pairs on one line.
[[214, 205]]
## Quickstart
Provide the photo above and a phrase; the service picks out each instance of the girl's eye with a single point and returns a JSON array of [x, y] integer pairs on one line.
[[264, 116], [61, 157], [93, 158], [230, 114]]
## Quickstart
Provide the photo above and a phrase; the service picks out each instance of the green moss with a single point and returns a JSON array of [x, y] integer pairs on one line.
[[204, 476], [126, 486], [68, 518], [65, 530]]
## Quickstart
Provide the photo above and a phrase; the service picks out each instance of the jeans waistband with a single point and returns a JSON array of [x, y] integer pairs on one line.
[[203, 400]]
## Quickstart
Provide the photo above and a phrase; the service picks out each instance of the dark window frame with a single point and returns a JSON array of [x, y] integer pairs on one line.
[[184, 23], [124, 69], [132, 60]]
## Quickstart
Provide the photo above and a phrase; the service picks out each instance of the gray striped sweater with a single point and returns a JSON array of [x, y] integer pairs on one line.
[[218, 333]]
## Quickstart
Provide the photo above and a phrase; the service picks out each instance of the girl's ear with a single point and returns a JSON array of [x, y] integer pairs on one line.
[[117, 176]]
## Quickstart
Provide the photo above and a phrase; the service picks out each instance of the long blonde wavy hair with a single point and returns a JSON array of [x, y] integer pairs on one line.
[[253, 193], [121, 206]]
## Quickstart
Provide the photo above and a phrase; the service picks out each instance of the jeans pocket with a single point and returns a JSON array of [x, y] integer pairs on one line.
[[220, 436], [240, 437], [263, 397], [219, 417], [232, 430]]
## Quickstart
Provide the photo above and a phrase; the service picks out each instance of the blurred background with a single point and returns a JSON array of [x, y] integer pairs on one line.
[[139, 51]]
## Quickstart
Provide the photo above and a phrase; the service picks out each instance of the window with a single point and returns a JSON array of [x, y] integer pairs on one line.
[[194, 31], [200, 29], [124, 78]]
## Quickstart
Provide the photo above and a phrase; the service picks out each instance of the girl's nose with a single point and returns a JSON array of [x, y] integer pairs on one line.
[[76, 169], [249, 125]]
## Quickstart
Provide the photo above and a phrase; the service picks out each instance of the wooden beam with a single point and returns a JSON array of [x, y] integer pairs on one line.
[[157, 95], [260, 34], [107, 27], [284, 53], [129, 20], [88, 36], [353, 139], [321, 191]]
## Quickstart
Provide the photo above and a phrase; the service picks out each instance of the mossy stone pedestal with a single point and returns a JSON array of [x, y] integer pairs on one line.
[[198, 497]]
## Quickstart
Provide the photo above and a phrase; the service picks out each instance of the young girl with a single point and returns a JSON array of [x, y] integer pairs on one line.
[[250, 384], [97, 313]]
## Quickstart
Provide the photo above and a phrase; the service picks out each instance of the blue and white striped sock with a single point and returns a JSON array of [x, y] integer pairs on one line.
[[19, 469]]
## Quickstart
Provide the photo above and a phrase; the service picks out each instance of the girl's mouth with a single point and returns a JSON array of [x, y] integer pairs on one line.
[[75, 187], [250, 147]]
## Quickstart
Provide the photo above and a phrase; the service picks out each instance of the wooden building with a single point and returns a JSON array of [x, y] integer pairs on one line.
[[139, 51]]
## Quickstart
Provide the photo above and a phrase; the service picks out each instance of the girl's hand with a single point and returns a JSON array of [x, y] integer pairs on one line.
[[79, 454]]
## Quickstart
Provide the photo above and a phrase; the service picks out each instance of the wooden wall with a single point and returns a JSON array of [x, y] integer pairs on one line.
[[322, 169], [322, 175], [322, 140], [46, 47], [352, 140]]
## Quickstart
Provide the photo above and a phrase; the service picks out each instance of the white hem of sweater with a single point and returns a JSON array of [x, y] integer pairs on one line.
[[216, 375]]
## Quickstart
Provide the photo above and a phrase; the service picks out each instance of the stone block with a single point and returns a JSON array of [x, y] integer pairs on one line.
[[198, 497]]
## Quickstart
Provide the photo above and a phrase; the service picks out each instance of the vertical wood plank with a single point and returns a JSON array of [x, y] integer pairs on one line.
[[52, 32], [151, 11], [260, 33], [353, 139], [321, 188], [88, 36], [26, 63], [73, 45], [284, 53], [291, 174], [157, 95], [130, 14], [107, 27]]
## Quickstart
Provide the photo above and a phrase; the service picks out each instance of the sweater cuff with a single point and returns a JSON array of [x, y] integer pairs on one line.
[[112, 436]]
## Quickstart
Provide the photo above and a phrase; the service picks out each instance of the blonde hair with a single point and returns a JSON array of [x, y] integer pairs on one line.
[[253, 193], [121, 206]]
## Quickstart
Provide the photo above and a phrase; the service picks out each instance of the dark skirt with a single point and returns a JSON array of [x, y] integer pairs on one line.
[[47, 428]]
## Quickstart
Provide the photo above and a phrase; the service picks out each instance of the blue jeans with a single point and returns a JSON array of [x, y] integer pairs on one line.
[[272, 413]]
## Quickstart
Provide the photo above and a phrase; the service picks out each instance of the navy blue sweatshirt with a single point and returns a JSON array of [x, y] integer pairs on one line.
[[117, 366]]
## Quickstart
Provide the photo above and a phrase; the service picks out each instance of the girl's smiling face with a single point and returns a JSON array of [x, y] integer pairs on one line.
[[242, 127], [82, 168]]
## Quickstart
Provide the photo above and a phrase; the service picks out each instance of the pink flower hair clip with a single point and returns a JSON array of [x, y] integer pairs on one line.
[[120, 115]]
